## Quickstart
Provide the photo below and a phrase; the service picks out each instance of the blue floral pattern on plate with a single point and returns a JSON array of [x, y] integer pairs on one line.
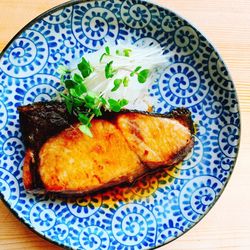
[[159, 208]]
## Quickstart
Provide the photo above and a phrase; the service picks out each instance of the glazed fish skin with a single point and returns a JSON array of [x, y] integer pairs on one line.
[[40, 121], [124, 146]]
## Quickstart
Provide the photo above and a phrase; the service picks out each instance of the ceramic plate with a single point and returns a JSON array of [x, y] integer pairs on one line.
[[162, 207]]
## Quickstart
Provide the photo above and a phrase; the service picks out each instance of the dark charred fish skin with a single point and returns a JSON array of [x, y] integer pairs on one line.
[[44, 120]]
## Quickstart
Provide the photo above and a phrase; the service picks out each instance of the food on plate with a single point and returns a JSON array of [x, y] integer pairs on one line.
[[112, 78], [125, 145], [98, 133]]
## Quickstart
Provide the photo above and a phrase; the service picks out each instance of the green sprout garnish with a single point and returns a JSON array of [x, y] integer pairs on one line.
[[125, 81], [85, 68], [117, 84], [109, 71], [85, 104], [135, 71], [85, 130], [143, 75], [127, 52], [107, 53], [116, 106]]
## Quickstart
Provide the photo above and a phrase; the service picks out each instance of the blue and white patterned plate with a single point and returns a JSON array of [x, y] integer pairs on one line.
[[162, 207]]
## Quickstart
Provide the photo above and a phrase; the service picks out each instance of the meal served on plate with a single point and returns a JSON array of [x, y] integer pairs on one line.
[[124, 146], [99, 133]]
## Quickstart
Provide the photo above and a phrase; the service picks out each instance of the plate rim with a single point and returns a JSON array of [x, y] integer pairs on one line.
[[152, 2]]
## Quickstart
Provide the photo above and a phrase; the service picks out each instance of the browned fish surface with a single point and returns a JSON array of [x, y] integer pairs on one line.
[[73, 161], [157, 141], [124, 146]]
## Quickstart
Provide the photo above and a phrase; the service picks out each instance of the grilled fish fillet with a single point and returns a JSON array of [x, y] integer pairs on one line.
[[74, 161], [124, 146]]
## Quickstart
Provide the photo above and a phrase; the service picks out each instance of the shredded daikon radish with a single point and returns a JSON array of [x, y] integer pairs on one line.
[[147, 57]]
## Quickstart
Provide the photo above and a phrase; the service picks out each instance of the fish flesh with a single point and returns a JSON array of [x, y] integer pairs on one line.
[[60, 158]]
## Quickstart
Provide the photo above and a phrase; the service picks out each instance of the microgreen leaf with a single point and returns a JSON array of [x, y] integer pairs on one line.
[[64, 96], [80, 89], [83, 119], [85, 68], [138, 68], [92, 94], [117, 84], [103, 100], [127, 52], [90, 100], [107, 53], [143, 76], [109, 71], [118, 52], [135, 71], [86, 130], [77, 102], [69, 105], [123, 102], [77, 78], [125, 81], [72, 92], [97, 112], [68, 102], [69, 84], [107, 49], [114, 105]]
